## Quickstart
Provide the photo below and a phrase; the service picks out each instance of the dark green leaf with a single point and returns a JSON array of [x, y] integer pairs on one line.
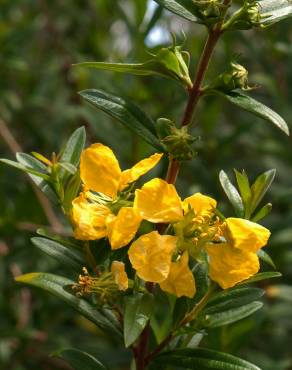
[[261, 276], [203, 359], [138, 310], [229, 316], [63, 254], [74, 147], [253, 106], [126, 112], [231, 193], [179, 7], [79, 360], [262, 213], [260, 187], [56, 285], [273, 11], [266, 258]]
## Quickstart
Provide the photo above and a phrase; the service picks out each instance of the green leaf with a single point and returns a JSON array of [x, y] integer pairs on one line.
[[243, 186], [126, 112], [217, 319], [203, 359], [29, 161], [232, 298], [232, 193], [28, 170], [56, 285], [266, 258], [138, 310], [261, 276], [67, 256], [179, 7], [74, 147], [71, 190], [68, 167], [273, 11], [253, 106], [262, 213], [79, 360], [260, 187]]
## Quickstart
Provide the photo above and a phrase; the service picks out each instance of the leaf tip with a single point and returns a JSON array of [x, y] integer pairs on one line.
[[26, 278]]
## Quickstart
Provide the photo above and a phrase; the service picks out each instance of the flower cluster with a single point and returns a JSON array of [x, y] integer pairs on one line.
[[184, 231]]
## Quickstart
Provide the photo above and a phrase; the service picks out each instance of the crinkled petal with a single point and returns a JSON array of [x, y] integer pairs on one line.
[[139, 170], [246, 235], [89, 219], [123, 227], [200, 203], [158, 201], [150, 256], [100, 170], [120, 275], [229, 266], [180, 280]]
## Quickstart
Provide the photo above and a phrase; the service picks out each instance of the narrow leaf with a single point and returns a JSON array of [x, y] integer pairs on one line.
[[177, 7], [138, 311], [266, 258], [126, 112], [56, 285], [253, 106], [260, 187], [231, 193], [203, 359], [243, 186], [79, 360], [262, 213], [28, 170], [67, 256], [273, 11], [74, 147], [217, 319], [261, 276]]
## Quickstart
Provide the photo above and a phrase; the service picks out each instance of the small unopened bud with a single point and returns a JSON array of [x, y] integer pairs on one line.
[[210, 11], [245, 18]]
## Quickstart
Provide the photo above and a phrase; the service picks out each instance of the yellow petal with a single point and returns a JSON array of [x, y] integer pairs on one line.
[[229, 266], [100, 170], [139, 170], [150, 256], [120, 275], [158, 201], [246, 235], [123, 227], [180, 280], [89, 219], [200, 203]]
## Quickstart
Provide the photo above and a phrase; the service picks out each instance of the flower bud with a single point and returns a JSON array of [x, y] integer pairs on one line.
[[210, 11], [245, 18]]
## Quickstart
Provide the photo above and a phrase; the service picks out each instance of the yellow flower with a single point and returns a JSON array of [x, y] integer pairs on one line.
[[229, 266], [120, 275], [158, 202], [180, 280], [100, 172], [245, 235], [150, 256]]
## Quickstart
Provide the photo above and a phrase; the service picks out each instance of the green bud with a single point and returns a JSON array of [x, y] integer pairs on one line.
[[245, 18], [210, 11], [177, 141]]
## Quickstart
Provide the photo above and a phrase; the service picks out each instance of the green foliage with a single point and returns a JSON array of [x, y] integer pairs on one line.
[[79, 360]]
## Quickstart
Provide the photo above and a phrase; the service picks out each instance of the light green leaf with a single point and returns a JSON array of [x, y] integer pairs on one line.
[[273, 11], [57, 285], [179, 7], [74, 147], [266, 258], [217, 319], [28, 170], [262, 213], [260, 187], [203, 359], [232, 193], [79, 360], [67, 256], [138, 310], [253, 106], [243, 186], [68, 167], [126, 112], [261, 276]]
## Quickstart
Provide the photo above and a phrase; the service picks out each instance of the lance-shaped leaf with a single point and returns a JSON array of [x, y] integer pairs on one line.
[[74, 147], [266, 258], [232, 194], [126, 112], [260, 276], [183, 8], [253, 106], [138, 311], [67, 256], [203, 359], [260, 187], [272, 11], [57, 285], [79, 360]]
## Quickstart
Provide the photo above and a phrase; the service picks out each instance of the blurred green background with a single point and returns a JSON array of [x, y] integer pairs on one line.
[[40, 107]]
